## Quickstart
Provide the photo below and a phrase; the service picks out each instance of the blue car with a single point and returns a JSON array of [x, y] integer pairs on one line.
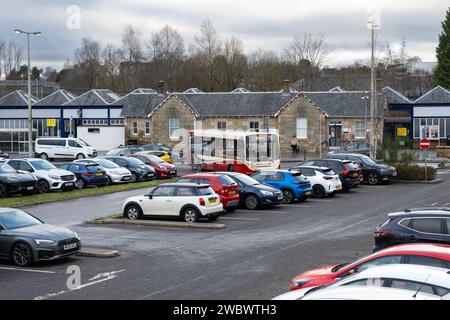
[[252, 193], [291, 183], [87, 174]]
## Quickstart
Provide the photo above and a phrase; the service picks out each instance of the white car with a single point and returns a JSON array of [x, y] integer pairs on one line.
[[49, 177], [413, 278], [190, 201], [63, 148], [115, 173], [323, 180]]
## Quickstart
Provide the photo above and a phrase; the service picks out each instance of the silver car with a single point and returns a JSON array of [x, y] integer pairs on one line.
[[25, 239]]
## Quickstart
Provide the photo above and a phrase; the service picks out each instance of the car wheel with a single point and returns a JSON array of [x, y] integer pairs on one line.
[[373, 178], [251, 202], [288, 196], [3, 191], [80, 156], [43, 156], [80, 183], [213, 217], [109, 181], [134, 177], [190, 215], [133, 212], [22, 254], [43, 186], [318, 191]]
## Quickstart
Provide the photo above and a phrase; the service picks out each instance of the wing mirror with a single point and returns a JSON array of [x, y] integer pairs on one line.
[[149, 195]]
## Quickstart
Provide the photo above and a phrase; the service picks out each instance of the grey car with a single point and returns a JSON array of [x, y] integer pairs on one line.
[[25, 239], [353, 147]]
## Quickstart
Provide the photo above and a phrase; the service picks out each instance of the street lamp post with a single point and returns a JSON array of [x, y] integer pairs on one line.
[[30, 115], [372, 26]]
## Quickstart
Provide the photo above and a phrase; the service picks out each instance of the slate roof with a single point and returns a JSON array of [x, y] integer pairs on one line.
[[337, 89], [344, 104], [228, 104], [57, 98], [16, 98], [95, 97], [436, 95], [394, 97], [140, 102]]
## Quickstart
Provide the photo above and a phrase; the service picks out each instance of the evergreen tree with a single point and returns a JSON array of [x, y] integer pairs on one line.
[[442, 73]]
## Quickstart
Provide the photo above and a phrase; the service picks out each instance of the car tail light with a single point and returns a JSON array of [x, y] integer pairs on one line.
[[346, 171], [88, 174], [202, 202], [381, 233], [328, 178]]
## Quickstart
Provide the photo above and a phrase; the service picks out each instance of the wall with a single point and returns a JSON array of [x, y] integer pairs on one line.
[[108, 138], [235, 123], [140, 138]]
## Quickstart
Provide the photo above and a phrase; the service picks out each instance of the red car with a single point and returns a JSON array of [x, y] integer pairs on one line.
[[162, 168], [223, 185], [436, 255]]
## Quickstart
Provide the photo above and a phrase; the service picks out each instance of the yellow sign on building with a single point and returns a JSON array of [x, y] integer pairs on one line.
[[402, 132], [51, 122]]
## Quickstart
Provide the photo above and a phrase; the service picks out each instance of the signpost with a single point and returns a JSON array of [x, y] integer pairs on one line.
[[425, 145]]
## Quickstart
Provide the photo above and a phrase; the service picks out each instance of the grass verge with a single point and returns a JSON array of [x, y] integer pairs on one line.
[[22, 201]]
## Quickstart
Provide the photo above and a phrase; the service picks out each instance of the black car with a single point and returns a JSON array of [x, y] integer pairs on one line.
[[4, 155], [139, 170], [414, 226], [252, 193], [157, 147], [13, 181], [373, 173], [348, 172], [25, 239]]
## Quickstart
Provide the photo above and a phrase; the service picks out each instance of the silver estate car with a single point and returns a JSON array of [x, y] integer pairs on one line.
[[25, 239]]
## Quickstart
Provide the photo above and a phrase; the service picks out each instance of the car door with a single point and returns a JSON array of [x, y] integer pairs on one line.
[[160, 203], [428, 229], [4, 243], [73, 147], [25, 166], [183, 196]]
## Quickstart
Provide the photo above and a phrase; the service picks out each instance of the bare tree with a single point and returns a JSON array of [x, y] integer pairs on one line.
[[132, 44], [265, 71], [112, 56], [88, 62], [232, 64], [308, 47], [11, 58]]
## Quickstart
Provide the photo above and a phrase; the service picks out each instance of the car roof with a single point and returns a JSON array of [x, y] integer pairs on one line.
[[348, 154], [431, 275], [437, 211], [184, 184], [6, 209], [200, 175], [412, 248], [313, 167]]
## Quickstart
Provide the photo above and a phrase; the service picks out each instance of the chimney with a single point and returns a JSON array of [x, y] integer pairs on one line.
[[161, 86], [286, 87]]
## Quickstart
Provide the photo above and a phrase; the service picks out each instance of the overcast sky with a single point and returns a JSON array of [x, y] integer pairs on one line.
[[266, 24]]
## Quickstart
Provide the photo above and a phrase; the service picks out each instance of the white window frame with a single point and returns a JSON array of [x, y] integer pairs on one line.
[[147, 128], [250, 125], [134, 128], [173, 127], [301, 128], [220, 125], [362, 129]]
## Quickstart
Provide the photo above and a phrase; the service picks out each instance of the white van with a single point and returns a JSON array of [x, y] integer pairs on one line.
[[63, 148]]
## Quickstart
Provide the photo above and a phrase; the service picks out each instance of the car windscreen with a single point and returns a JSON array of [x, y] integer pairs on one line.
[[327, 172], [93, 167], [107, 164], [4, 168], [226, 181], [205, 191], [367, 161], [135, 162], [245, 179], [42, 165], [17, 219], [114, 152], [82, 142], [155, 158]]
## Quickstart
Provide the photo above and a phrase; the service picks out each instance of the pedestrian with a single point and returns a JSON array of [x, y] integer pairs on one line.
[[294, 144]]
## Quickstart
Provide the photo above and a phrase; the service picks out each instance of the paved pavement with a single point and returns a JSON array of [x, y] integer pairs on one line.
[[253, 258]]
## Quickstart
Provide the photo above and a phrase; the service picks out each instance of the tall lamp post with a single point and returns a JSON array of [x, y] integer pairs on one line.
[[372, 26], [30, 115]]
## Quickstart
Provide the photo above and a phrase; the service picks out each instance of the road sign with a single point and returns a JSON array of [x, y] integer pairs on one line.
[[425, 144], [51, 122]]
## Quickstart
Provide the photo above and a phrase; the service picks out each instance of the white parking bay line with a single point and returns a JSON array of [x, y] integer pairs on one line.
[[27, 270], [230, 218], [268, 211], [434, 204]]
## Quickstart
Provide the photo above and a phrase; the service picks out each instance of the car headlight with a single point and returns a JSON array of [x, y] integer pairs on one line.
[[54, 177], [76, 235], [267, 193], [300, 282], [43, 242]]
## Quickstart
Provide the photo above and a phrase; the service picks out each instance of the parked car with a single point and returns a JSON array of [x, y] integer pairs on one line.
[[349, 173], [292, 184], [190, 201], [124, 151], [222, 185], [420, 254], [252, 193], [353, 147], [49, 177], [162, 168], [63, 148], [13, 181], [114, 173], [139, 170], [411, 226], [417, 279], [4, 155], [323, 180], [157, 147], [88, 174], [25, 239], [373, 173], [161, 154]]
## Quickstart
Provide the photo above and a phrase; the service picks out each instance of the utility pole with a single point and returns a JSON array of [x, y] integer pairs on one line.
[[372, 26]]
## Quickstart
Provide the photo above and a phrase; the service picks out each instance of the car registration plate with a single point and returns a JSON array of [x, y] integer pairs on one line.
[[355, 174], [29, 188], [394, 174], [338, 187], [69, 184], [99, 174], [70, 246], [308, 193], [126, 178], [280, 197], [212, 200], [231, 192], [172, 171]]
